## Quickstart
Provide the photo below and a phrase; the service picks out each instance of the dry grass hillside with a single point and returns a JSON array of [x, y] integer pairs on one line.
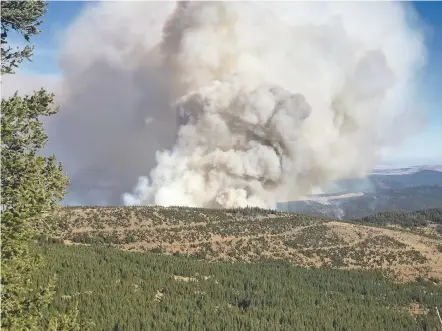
[[252, 234]]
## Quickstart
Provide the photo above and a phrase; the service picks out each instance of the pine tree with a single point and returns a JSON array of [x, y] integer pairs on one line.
[[31, 185], [23, 17]]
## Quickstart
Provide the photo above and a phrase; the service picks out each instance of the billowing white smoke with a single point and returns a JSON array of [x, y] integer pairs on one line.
[[278, 99]]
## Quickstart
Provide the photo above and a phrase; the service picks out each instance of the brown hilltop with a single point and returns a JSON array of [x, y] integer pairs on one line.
[[252, 234]]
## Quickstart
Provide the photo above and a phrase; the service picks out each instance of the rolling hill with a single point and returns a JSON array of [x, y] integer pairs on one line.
[[144, 268], [252, 235]]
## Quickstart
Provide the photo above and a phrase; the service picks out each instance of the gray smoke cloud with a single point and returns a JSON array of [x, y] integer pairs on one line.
[[224, 104], [115, 111], [279, 99]]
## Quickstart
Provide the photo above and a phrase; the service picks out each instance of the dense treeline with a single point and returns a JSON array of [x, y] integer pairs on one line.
[[406, 219], [120, 290]]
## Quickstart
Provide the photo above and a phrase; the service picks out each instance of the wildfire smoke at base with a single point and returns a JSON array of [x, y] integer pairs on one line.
[[276, 105]]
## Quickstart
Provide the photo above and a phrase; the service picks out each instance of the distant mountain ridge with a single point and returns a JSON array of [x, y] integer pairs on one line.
[[374, 182], [405, 170], [405, 189]]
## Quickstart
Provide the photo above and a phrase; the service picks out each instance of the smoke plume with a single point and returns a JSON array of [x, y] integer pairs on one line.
[[225, 104]]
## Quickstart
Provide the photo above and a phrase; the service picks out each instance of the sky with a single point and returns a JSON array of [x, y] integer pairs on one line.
[[424, 147]]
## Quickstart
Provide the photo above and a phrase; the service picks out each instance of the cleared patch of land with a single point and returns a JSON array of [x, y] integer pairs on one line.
[[334, 197], [253, 234]]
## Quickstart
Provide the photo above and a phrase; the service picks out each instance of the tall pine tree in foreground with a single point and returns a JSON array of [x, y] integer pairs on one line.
[[31, 185]]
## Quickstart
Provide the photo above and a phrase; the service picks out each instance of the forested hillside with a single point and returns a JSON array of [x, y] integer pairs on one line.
[[415, 219], [119, 290], [254, 234]]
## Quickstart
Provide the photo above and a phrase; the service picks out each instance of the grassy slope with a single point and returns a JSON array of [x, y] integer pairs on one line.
[[250, 235], [123, 290]]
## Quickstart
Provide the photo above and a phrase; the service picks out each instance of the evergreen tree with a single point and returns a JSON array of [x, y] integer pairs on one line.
[[31, 185], [23, 17]]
